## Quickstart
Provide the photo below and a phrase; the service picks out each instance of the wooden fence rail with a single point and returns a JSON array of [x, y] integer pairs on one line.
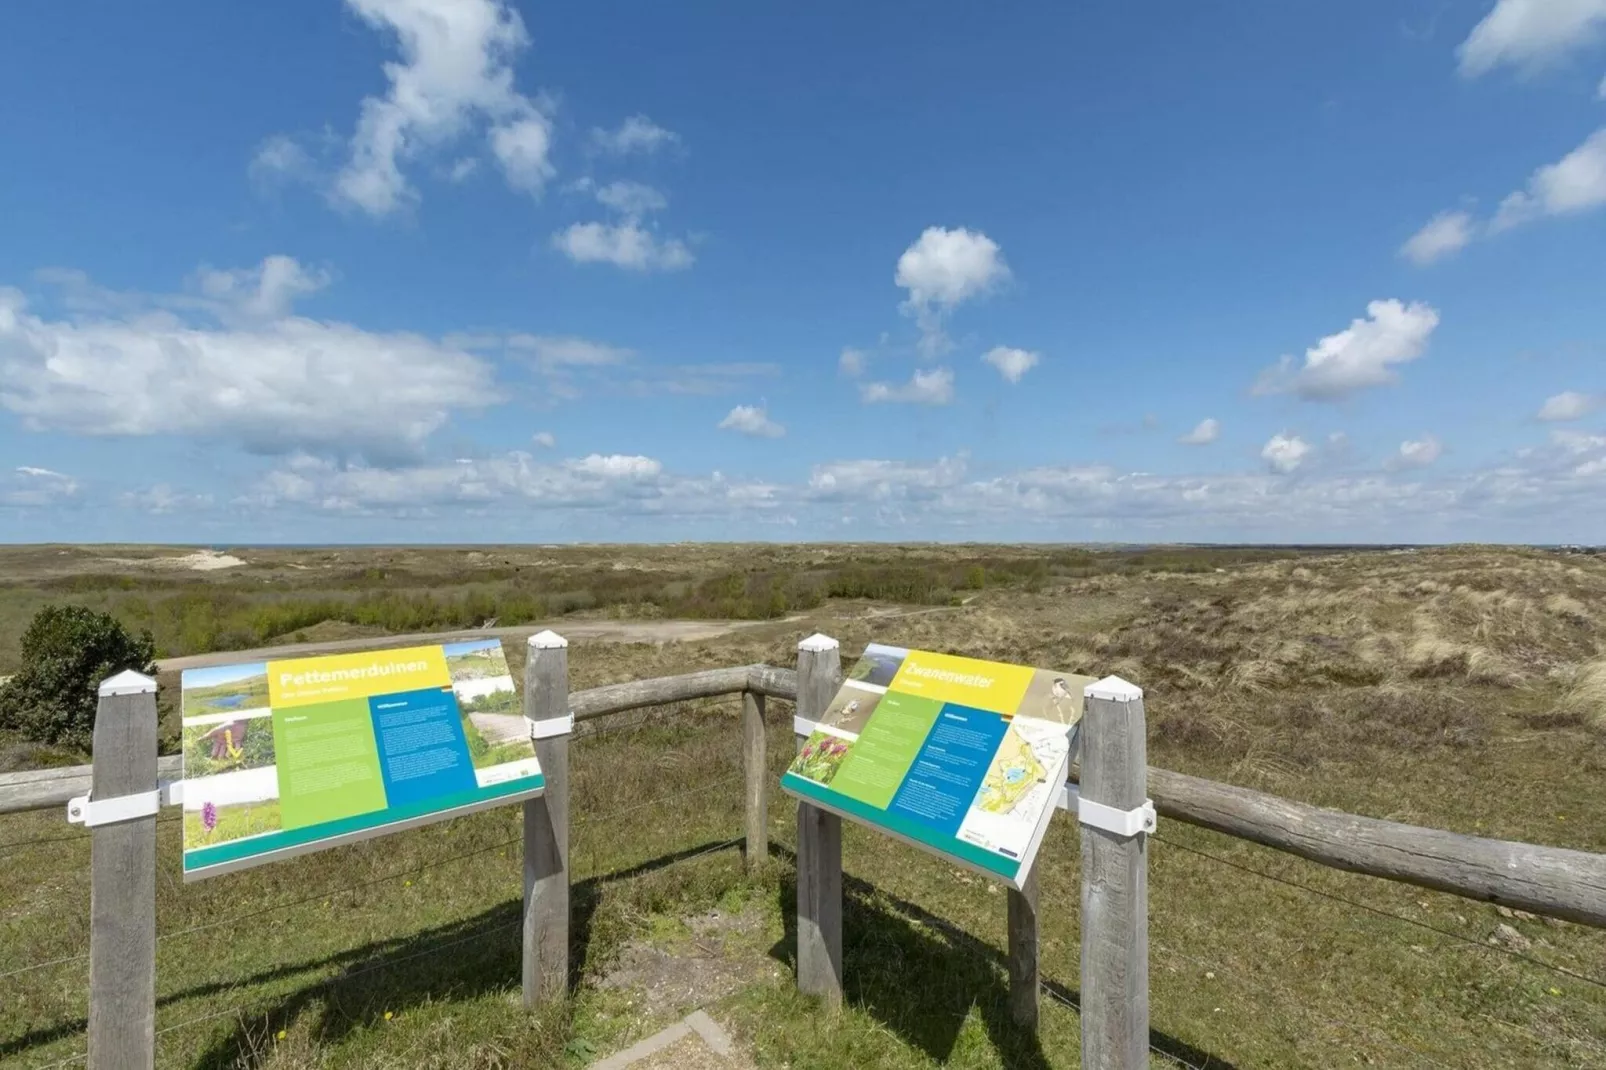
[[1552, 881]]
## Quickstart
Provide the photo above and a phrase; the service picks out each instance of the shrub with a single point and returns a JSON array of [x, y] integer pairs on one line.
[[66, 652]]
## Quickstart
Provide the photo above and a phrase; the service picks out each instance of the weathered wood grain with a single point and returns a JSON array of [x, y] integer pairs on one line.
[[1115, 888], [819, 842], [1023, 952], [634, 694], [546, 829], [122, 888], [755, 763]]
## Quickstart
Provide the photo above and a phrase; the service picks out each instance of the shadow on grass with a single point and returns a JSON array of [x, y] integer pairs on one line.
[[920, 975], [465, 959]]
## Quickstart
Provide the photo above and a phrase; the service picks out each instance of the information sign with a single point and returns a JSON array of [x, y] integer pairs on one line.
[[286, 757], [960, 756]]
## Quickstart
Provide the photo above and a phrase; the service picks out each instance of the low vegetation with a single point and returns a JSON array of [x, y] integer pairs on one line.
[[1460, 689]]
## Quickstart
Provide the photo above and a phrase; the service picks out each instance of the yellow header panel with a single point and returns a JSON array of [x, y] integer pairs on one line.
[[306, 681], [985, 685]]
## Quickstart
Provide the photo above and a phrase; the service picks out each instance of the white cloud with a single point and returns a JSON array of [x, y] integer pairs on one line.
[[279, 159], [633, 199], [1568, 405], [463, 169], [934, 387], [28, 486], [1444, 234], [545, 439], [455, 71], [163, 499], [943, 269], [617, 466], [751, 420], [1419, 453], [624, 244], [558, 351], [1529, 34], [522, 146], [1600, 90], [264, 292], [270, 385], [852, 362], [1011, 363], [1285, 452], [636, 134], [1204, 432], [1362, 355], [1575, 183]]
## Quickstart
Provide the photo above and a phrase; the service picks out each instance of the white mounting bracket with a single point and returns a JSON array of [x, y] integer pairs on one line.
[[93, 813], [802, 726], [552, 727], [1125, 823]]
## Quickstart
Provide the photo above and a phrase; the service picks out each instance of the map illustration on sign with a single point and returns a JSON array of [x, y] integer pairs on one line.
[[961, 756], [285, 757]]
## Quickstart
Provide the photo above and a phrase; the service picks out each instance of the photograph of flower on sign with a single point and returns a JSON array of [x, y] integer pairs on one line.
[[963, 757], [285, 757]]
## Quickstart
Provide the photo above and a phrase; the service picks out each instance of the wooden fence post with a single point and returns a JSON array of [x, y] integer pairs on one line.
[[122, 866], [1023, 951], [546, 826], [819, 841], [755, 760], [1115, 878]]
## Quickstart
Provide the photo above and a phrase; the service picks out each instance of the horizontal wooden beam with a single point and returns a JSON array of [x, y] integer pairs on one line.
[[40, 789], [634, 694], [1553, 881]]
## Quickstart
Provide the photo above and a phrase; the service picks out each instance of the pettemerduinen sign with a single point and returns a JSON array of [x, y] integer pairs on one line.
[[286, 757]]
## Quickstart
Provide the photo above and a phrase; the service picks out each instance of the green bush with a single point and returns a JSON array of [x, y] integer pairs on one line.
[[66, 652]]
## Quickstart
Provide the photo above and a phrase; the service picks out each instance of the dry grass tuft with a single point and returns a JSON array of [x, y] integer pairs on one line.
[[1585, 698]]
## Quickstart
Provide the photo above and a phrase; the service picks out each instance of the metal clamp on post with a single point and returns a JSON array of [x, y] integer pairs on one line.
[[1126, 823], [555, 726], [93, 813]]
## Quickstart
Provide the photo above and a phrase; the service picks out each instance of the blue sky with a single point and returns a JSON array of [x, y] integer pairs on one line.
[[420, 270]]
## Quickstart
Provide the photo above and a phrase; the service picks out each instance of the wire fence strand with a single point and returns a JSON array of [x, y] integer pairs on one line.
[[1380, 912]]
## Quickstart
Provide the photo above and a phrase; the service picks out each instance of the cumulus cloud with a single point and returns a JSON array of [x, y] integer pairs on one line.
[[751, 420], [1575, 183], [545, 439], [1285, 452], [1011, 363], [1568, 405], [1204, 432], [1530, 34], [636, 134], [1443, 235], [852, 362], [625, 244], [454, 75], [933, 387], [1362, 355], [1418, 453], [943, 269], [268, 384]]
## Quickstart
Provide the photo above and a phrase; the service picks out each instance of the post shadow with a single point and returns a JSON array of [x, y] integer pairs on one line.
[[919, 974], [466, 959]]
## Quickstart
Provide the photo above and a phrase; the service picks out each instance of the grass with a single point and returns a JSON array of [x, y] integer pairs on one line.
[[1311, 677], [234, 821]]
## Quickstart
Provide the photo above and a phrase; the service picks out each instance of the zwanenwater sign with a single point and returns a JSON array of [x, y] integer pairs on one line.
[[286, 757], [960, 756]]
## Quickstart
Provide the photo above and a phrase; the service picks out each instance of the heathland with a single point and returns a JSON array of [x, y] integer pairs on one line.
[[1461, 688]]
